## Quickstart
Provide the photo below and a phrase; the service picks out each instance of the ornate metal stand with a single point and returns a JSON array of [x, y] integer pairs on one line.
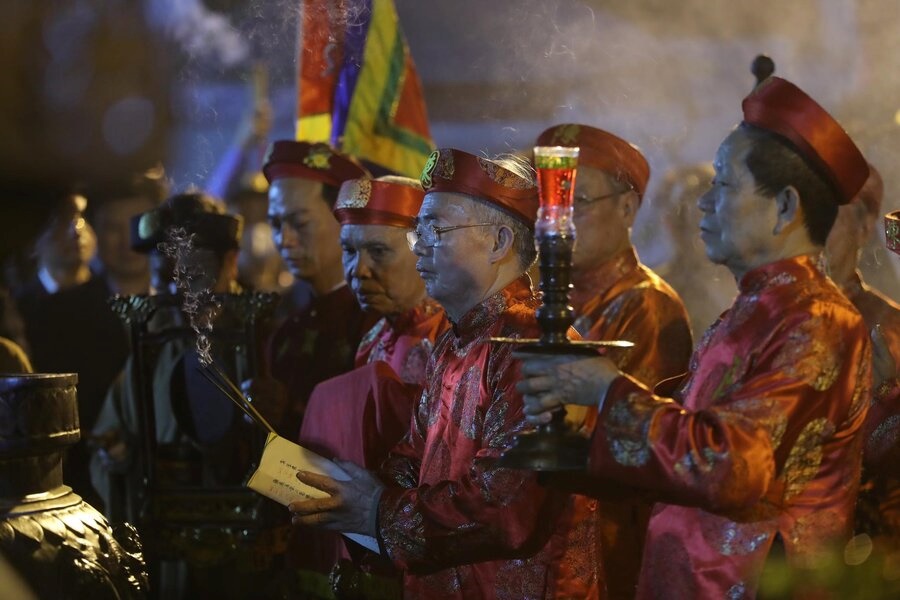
[[61, 545], [892, 231], [181, 518]]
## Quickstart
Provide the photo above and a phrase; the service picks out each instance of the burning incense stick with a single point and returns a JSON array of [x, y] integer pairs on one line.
[[218, 378], [199, 306]]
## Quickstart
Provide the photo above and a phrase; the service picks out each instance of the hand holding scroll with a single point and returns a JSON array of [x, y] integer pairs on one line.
[[350, 505]]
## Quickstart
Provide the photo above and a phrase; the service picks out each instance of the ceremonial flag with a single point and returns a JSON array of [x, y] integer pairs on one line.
[[358, 89]]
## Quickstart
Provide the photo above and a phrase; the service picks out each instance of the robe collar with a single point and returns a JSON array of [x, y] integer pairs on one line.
[[478, 320], [598, 281], [781, 272], [423, 311]]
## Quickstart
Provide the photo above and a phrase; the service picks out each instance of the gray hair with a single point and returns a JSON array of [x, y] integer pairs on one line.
[[523, 235]]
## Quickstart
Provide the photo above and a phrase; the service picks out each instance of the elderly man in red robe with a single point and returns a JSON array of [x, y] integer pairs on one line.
[[375, 217], [615, 297], [361, 415], [878, 511], [320, 340], [443, 511], [763, 446]]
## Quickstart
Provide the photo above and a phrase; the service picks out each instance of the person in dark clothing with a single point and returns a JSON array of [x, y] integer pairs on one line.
[[318, 341], [69, 326]]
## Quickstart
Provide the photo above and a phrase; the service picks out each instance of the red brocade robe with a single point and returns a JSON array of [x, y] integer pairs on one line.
[[315, 344], [624, 300], [767, 442], [407, 344], [878, 511], [460, 526], [360, 415]]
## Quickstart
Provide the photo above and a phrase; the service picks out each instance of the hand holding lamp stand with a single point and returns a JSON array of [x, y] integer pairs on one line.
[[554, 446]]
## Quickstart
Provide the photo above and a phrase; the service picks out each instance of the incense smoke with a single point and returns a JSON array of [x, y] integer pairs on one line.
[[199, 305]]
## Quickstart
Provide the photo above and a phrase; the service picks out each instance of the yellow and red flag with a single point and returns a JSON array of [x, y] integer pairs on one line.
[[358, 89]]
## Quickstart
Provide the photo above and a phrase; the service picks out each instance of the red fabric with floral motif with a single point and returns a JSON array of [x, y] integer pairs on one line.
[[624, 300], [768, 440], [878, 510], [460, 526], [315, 344], [360, 415], [406, 344]]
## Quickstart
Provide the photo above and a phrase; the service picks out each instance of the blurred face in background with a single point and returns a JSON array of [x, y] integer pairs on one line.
[[68, 242], [303, 227], [211, 270], [604, 212], [854, 226], [207, 269], [677, 207], [259, 263], [113, 228]]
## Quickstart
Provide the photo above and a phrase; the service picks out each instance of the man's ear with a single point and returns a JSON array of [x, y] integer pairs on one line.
[[789, 211], [629, 203], [503, 243]]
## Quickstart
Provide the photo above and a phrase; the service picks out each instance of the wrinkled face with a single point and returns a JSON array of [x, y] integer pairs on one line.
[[738, 222], [113, 226], [380, 268], [303, 228], [455, 270], [601, 221], [68, 242]]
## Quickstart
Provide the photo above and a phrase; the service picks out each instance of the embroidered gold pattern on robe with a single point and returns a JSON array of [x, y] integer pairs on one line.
[[806, 456], [627, 428]]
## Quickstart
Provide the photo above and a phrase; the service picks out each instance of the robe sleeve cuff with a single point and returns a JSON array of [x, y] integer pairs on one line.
[[619, 395], [618, 391], [388, 498], [373, 510]]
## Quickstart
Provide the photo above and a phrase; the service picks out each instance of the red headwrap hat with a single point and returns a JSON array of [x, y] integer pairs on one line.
[[315, 161], [892, 231], [601, 150], [373, 202], [781, 107], [451, 170]]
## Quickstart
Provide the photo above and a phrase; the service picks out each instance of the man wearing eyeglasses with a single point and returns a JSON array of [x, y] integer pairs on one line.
[[442, 510], [319, 341], [615, 297]]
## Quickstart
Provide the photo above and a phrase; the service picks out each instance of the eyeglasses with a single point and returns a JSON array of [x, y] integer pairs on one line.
[[582, 199], [430, 236]]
